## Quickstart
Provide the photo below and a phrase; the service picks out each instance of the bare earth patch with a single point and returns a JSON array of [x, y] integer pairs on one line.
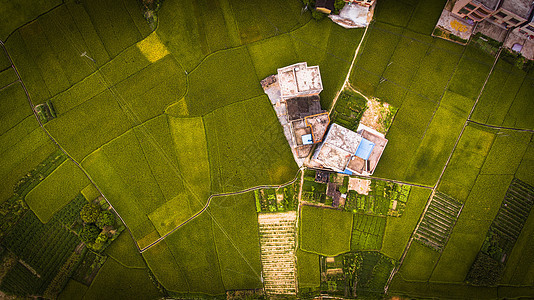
[[376, 115], [361, 186]]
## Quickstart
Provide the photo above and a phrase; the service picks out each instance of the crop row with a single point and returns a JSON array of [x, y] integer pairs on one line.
[[44, 247], [438, 221]]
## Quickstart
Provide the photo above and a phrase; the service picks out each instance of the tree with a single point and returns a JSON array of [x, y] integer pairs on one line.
[[90, 212], [106, 218], [89, 233], [100, 240]]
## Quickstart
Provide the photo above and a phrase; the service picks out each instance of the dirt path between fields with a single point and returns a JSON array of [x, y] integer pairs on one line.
[[346, 82], [219, 195], [32, 106], [442, 172]]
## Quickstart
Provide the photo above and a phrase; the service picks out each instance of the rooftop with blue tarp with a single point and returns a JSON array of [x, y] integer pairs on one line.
[[364, 149], [307, 139]]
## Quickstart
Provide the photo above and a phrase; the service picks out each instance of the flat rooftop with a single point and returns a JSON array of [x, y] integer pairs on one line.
[[491, 4], [319, 125], [521, 8], [301, 107], [299, 79]]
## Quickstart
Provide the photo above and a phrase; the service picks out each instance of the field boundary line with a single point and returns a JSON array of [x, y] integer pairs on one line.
[[9, 84], [32, 106], [434, 189], [500, 127], [346, 82], [258, 187]]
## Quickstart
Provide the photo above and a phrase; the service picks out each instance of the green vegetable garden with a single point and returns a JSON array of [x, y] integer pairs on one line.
[[139, 152]]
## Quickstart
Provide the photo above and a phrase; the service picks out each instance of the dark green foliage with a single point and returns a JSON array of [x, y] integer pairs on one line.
[[44, 248], [349, 109], [89, 233], [28, 182], [485, 271], [356, 274], [10, 212], [90, 212], [380, 199], [105, 218], [267, 199]]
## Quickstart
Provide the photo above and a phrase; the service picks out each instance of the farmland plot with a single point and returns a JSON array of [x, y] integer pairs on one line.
[[367, 232], [325, 231], [277, 238], [438, 221], [502, 234], [42, 249]]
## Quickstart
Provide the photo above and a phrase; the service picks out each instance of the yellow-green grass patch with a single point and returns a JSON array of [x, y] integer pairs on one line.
[[165, 268], [115, 281], [114, 24], [14, 107], [193, 248], [27, 68], [119, 192], [223, 78], [192, 152], [247, 147], [17, 13], [506, 152], [309, 273], [124, 251], [431, 156], [73, 291], [471, 228], [21, 156], [88, 126], [399, 229], [325, 231], [149, 91], [466, 162], [261, 20], [56, 190], [520, 113], [152, 47], [173, 213], [235, 227], [526, 168], [498, 94], [7, 76], [270, 54], [418, 263], [90, 192], [82, 91]]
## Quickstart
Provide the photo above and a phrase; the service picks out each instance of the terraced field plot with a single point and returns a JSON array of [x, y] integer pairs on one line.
[[438, 221], [277, 238]]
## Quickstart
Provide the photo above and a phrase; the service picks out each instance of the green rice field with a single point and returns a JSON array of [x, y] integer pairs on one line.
[[159, 116]]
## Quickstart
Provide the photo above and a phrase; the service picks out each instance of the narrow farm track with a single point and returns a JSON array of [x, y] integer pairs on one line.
[[208, 204], [32, 106], [434, 189], [346, 82], [500, 127]]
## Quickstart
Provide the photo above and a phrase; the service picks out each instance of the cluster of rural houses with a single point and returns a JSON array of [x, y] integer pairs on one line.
[[510, 22], [314, 140]]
